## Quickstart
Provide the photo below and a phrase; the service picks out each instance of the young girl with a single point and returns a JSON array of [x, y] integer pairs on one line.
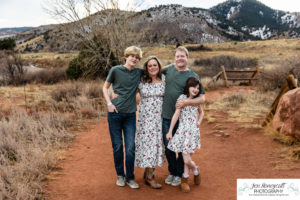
[[187, 137]]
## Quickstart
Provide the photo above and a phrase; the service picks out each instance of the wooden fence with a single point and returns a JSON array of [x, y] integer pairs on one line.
[[223, 73]]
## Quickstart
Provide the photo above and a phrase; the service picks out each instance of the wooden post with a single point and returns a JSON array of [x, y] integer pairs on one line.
[[258, 74], [254, 73], [274, 105], [224, 75], [292, 83]]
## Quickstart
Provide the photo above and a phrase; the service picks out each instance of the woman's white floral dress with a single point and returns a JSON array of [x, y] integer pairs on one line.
[[187, 137], [149, 151]]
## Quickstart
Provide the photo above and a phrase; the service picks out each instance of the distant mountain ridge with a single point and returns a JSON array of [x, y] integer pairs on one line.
[[239, 20], [256, 19], [11, 32], [17, 29]]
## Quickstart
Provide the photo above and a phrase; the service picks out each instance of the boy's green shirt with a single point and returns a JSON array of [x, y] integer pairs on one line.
[[125, 83]]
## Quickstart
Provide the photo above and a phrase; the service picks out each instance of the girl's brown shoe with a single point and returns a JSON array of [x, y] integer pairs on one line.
[[184, 185], [197, 178]]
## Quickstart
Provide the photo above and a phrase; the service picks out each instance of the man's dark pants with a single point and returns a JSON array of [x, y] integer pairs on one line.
[[175, 165], [125, 122]]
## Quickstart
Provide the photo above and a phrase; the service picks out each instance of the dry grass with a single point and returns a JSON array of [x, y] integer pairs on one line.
[[292, 150], [47, 59], [84, 99], [28, 151], [244, 107], [210, 118], [248, 109], [281, 166], [32, 142]]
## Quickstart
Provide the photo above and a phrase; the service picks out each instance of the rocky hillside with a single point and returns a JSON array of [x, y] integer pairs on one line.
[[172, 24], [254, 18], [176, 24]]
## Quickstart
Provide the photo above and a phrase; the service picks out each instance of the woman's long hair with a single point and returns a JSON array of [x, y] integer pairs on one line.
[[146, 77]]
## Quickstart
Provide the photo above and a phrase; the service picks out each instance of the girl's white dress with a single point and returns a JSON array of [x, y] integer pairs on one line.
[[149, 151], [187, 137]]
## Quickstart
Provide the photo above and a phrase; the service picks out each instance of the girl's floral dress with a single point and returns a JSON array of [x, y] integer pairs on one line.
[[149, 151], [187, 137]]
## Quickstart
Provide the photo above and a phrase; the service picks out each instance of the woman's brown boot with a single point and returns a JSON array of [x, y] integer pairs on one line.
[[151, 181], [184, 185]]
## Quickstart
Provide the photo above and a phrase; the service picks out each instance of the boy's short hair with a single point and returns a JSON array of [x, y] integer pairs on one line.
[[133, 50], [182, 48]]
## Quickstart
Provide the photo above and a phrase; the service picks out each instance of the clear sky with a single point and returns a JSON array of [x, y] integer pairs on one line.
[[17, 13]]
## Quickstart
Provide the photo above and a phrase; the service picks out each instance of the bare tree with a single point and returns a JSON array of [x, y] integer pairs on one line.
[[103, 29]]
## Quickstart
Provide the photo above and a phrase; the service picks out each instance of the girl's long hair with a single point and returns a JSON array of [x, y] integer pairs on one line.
[[146, 77], [191, 82]]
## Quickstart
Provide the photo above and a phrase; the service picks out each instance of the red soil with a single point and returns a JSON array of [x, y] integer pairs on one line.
[[88, 172]]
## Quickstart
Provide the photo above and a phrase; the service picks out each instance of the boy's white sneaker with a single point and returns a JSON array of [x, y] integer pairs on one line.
[[132, 184], [176, 181], [169, 179], [121, 181]]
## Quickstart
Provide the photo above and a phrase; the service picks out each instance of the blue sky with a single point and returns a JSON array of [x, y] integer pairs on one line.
[[17, 13]]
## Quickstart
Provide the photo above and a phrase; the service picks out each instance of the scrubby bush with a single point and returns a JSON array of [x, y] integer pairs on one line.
[[85, 99], [94, 60], [276, 77], [199, 47], [7, 44], [94, 90], [229, 62], [74, 70], [69, 91], [11, 68], [235, 100]]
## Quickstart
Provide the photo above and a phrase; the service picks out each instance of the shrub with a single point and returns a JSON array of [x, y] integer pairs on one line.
[[229, 62], [94, 60], [235, 100], [200, 47], [74, 70], [276, 77], [7, 44], [69, 91], [94, 90], [11, 68]]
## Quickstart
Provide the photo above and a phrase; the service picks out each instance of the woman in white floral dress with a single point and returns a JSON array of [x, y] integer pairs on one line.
[[149, 151]]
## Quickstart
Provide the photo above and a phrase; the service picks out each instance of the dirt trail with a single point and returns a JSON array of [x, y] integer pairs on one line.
[[88, 172]]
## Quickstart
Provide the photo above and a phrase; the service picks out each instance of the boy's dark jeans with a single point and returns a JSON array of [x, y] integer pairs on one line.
[[125, 122]]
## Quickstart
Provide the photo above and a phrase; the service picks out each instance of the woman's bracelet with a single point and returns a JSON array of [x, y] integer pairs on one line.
[[109, 104]]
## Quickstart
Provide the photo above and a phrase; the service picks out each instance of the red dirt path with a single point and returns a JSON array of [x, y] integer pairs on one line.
[[88, 172]]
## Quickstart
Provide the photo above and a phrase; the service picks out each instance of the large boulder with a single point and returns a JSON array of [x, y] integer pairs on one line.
[[287, 116]]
